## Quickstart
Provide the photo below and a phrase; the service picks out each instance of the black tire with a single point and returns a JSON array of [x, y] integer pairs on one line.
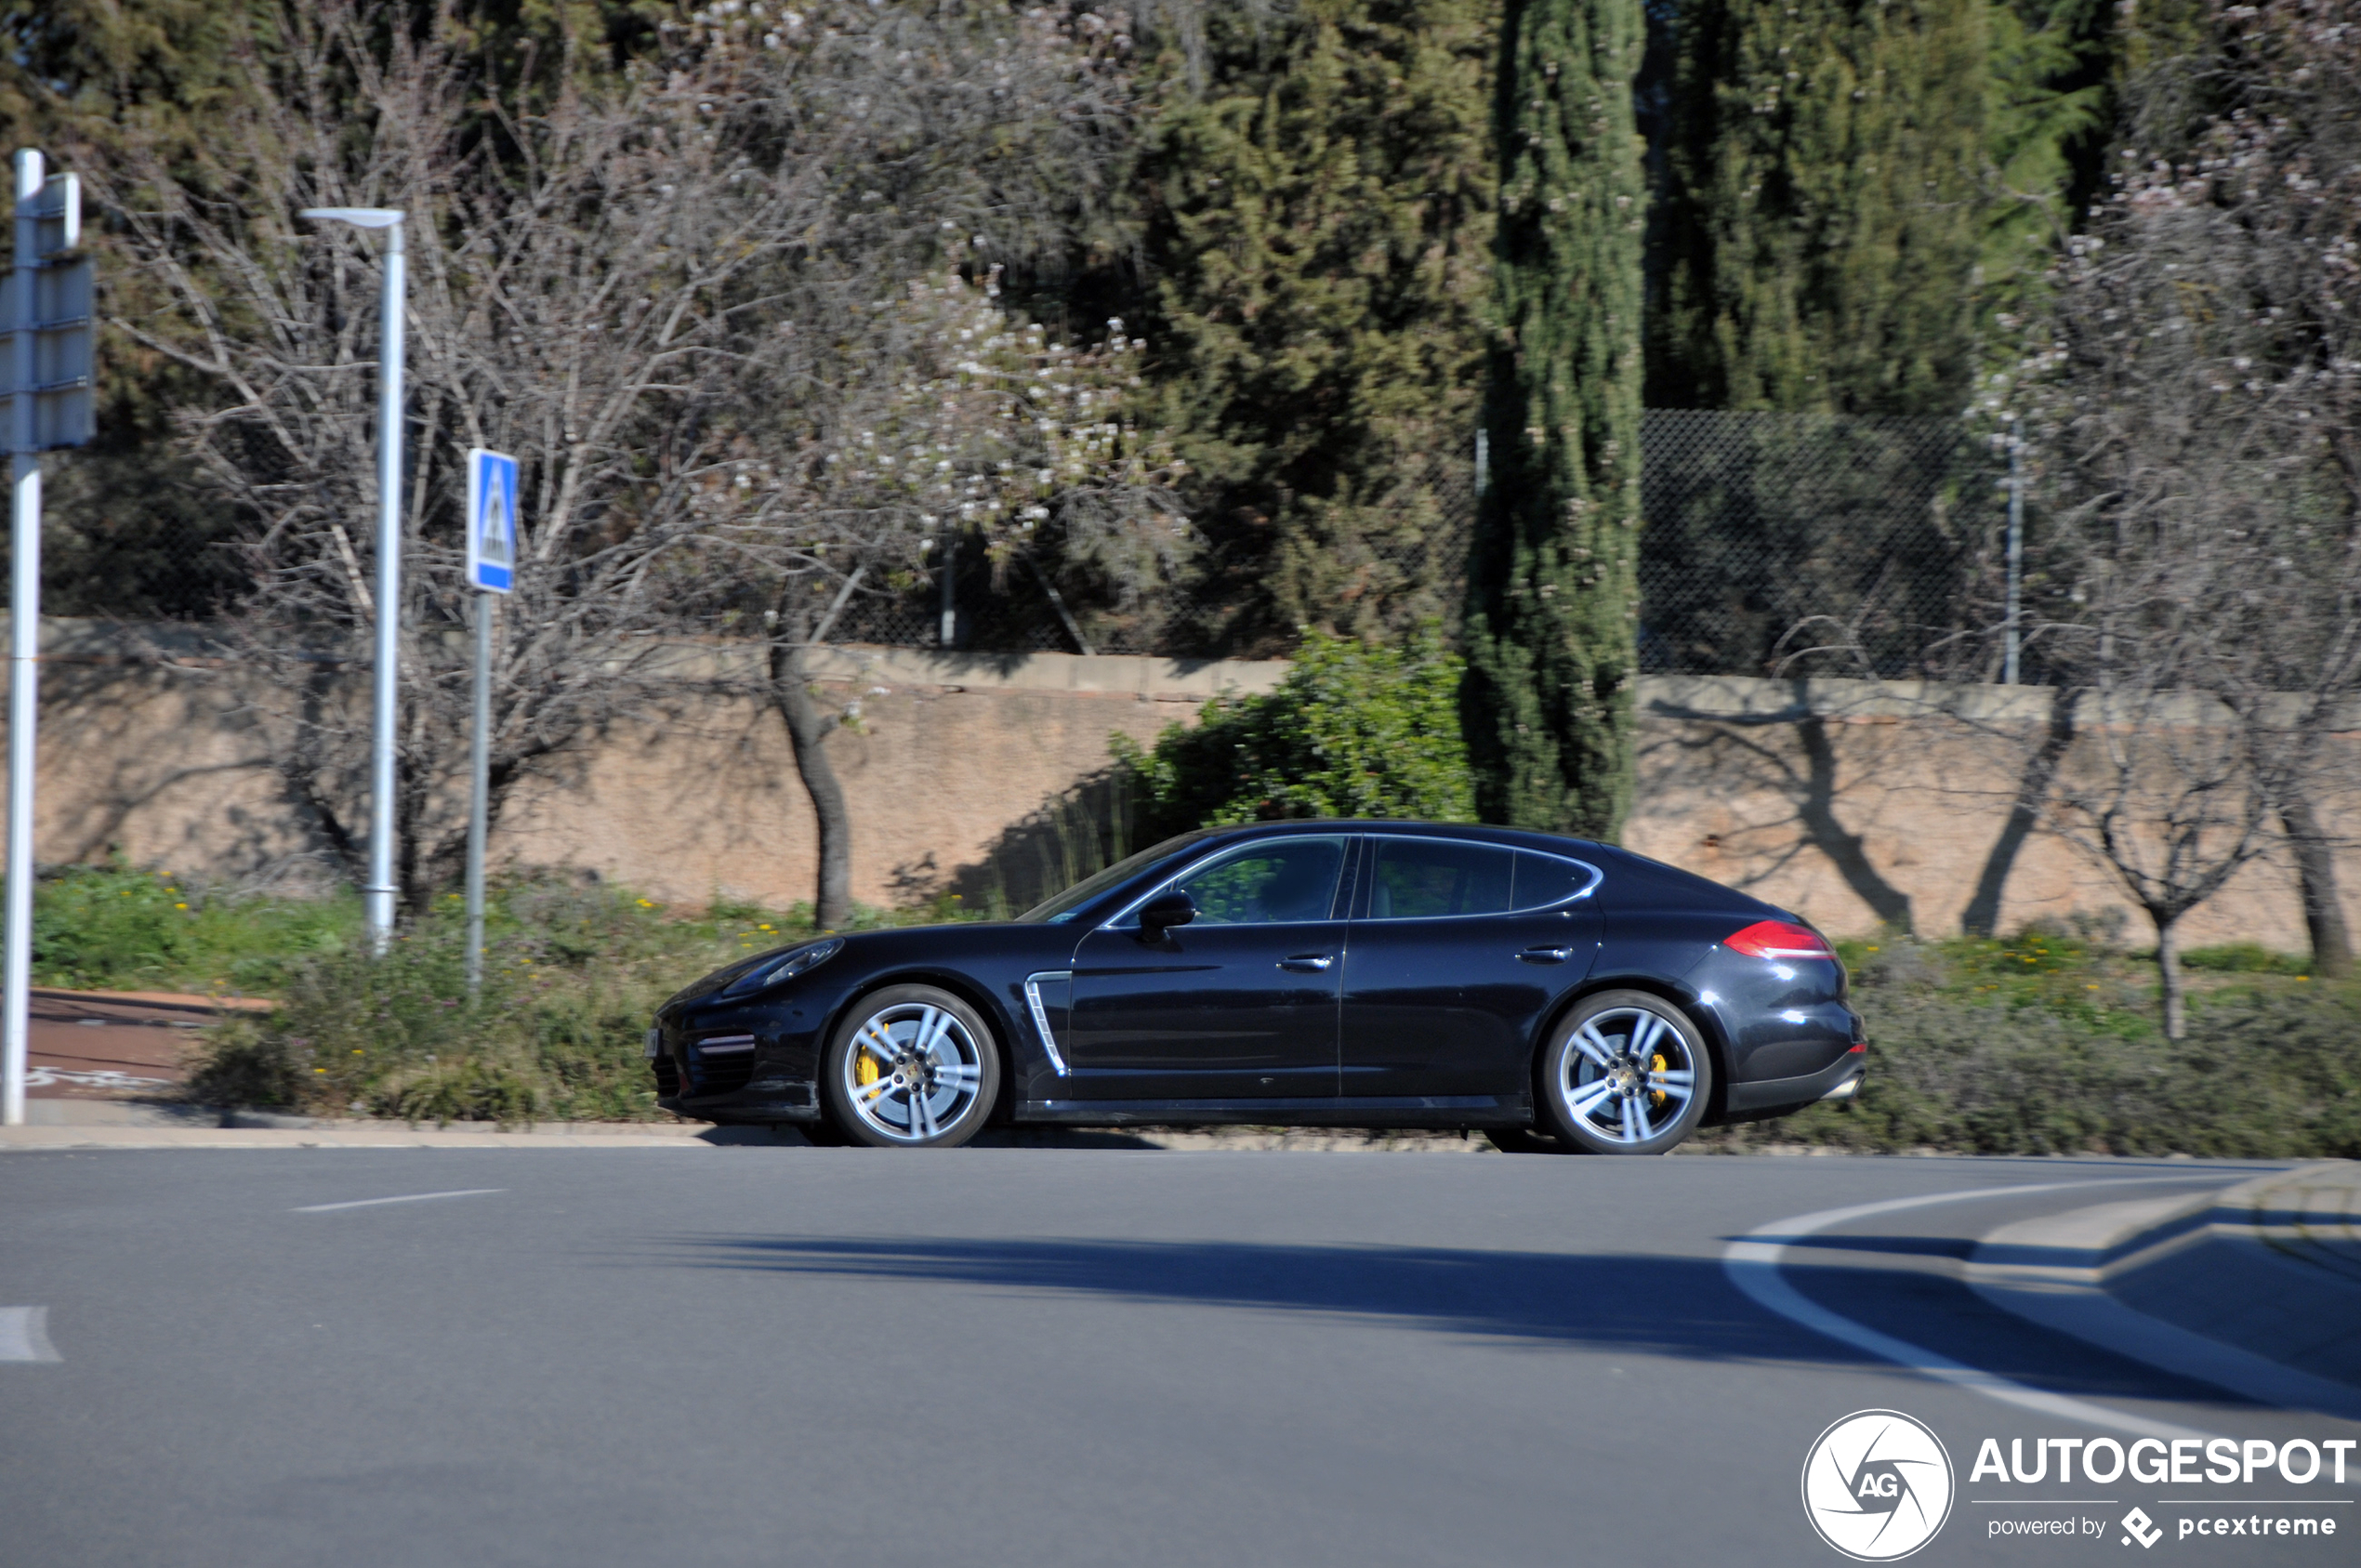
[[1599, 1095], [934, 1055], [1523, 1141]]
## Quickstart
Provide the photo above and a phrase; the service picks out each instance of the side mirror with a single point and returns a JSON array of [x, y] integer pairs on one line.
[[1175, 908]]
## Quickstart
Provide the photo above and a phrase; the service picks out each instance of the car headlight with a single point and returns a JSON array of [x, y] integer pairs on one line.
[[809, 957]]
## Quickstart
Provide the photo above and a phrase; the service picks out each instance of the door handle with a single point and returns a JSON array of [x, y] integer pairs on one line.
[[1309, 962], [1546, 955]]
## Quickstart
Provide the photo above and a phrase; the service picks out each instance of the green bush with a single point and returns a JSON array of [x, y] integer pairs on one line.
[[1354, 730]]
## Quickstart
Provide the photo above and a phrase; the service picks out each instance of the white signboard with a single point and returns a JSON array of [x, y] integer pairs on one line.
[[491, 522]]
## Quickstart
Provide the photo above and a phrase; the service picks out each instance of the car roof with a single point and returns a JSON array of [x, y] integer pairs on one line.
[[1512, 837]]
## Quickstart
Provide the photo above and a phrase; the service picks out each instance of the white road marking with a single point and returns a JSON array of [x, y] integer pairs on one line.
[[38, 1077], [406, 1198], [1752, 1263], [24, 1335]]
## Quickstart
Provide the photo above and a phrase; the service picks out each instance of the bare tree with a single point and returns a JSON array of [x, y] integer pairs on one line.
[[676, 292], [2200, 573], [962, 421]]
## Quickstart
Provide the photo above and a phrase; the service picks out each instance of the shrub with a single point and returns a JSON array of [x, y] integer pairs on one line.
[[1353, 731], [2035, 1048], [572, 975]]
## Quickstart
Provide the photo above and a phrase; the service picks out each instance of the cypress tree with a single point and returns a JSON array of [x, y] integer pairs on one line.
[[1551, 586], [1828, 183], [1320, 210]]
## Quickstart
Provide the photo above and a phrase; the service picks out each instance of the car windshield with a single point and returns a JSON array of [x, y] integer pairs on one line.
[[1062, 907]]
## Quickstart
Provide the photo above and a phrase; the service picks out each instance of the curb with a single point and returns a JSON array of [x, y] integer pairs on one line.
[[2255, 1288], [176, 1127]]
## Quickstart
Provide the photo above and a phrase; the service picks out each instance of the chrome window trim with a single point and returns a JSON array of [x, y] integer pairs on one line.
[[1378, 840], [1114, 921], [1041, 1013]]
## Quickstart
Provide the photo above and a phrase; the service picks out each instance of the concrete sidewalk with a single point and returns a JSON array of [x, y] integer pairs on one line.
[[2257, 1287]]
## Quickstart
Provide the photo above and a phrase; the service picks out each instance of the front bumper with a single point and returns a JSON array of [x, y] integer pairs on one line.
[[734, 1072]]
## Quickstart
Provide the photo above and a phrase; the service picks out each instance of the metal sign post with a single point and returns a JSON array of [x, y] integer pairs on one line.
[[48, 371], [492, 569]]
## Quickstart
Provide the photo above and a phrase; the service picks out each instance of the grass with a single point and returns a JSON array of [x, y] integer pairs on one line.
[[116, 927], [572, 974]]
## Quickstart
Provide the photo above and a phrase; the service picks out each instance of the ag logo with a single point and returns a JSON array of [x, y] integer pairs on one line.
[[1877, 1485]]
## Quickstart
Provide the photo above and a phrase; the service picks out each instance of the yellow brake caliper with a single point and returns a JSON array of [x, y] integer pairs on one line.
[[1657, 1064], [865, 1070]]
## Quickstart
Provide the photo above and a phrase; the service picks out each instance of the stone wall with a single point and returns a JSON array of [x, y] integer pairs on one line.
[[1858, 803]]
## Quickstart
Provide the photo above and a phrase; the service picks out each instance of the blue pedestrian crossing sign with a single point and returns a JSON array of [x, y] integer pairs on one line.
[[491, 522]]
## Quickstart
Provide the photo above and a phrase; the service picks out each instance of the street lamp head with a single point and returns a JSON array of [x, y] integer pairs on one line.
[[360, 217]]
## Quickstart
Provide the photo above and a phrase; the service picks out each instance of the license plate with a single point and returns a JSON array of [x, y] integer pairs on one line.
[[654, 1046]]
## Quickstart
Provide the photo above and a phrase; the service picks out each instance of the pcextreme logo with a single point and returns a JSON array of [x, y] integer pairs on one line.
[[1877, 1485]]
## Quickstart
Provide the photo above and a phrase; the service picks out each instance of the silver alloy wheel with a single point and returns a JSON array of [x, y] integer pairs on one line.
[[913, 1071], [1611, 1083]]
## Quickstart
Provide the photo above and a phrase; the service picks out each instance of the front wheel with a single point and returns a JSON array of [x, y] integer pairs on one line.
[[912, 1067], [1625, 1073]]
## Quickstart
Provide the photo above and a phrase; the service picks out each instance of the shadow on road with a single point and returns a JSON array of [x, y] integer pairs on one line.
[[1682, 1307]]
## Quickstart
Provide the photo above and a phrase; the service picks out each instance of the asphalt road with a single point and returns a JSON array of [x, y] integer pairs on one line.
[[1021, 1356]]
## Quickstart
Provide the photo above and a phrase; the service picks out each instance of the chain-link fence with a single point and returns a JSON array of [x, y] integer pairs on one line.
[[1771, 544], [1780, 543]]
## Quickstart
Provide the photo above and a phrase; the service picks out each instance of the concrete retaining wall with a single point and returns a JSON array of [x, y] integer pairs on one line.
[[1855, 802]]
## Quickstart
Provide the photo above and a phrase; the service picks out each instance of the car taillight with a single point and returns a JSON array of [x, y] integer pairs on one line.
[[1779, 938]]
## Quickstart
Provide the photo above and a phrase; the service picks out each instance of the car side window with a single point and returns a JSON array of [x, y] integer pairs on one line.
[[1543, 880], [1420, 878], [1278, 882]]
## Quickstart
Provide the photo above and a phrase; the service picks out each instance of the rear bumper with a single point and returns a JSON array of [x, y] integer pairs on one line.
[[1777, 1097]]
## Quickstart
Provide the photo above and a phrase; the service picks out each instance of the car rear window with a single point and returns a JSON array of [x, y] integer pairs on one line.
[[1543, 880], [1421, 878]]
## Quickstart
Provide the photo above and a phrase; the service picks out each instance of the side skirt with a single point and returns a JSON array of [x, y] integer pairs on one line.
[[1418, 1111]]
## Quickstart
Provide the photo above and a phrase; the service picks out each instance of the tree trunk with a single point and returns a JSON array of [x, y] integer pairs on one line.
[[2176, 1019], [1845, 850], [1983, 914], [1552, 574], [2315, 865], [808, 726]]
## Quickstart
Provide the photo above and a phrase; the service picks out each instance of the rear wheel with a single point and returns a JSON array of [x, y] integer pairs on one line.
[[1625, 1073], [912, 1067]]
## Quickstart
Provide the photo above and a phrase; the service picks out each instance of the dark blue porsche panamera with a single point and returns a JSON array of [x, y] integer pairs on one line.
[[1557, 993]]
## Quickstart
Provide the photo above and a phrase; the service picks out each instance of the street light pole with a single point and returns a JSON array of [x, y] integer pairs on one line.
[[377, 896]]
